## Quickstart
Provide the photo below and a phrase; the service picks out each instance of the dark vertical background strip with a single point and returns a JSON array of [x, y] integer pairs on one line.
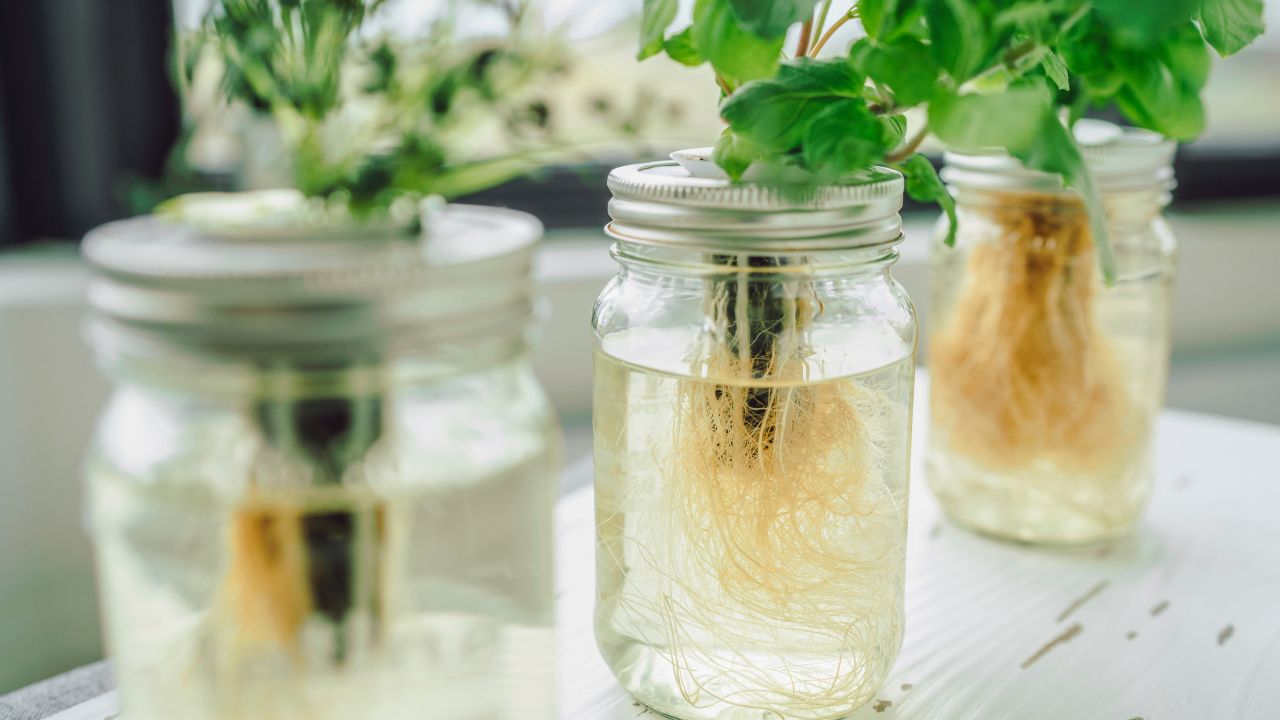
[[6, 212], [85, 107]]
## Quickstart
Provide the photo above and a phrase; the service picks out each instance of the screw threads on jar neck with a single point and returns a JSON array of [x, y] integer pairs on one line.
[[671, 222], [659, 204]]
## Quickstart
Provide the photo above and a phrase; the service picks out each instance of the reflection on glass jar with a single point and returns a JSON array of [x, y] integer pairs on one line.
[[323, 486], [752, 403], [1046, 380]]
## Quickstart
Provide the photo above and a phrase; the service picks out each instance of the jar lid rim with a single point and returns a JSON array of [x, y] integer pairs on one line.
[[293, 292], [1120, 158], [160, 249], [668, 182], [662, 203]]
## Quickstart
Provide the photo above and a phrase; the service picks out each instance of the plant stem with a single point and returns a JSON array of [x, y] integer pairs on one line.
[[905, 151], [724, 84], [890, 109], [802, 45], [822, 21], [754, 317], [1007, 61], [329, 434], [832, 31], [1076, 17], [1017, 52]]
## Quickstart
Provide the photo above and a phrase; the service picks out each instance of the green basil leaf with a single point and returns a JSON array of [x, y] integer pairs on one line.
[[887, 19], [1077, 106], [1093, 61], [896, 129], [1024, 14], [775, 112], [734, 153], [1052, 149], [1153, 99], [733, 51], [681, 48], [1187, 58], [872, 13], [957, 36], [922, 184], [771, 18], [1143, 23], [1161, 90], [1103, 86], [905, 66], [843, 137], [978, 122], [1056, 70], [1230, 25], [654, 19]]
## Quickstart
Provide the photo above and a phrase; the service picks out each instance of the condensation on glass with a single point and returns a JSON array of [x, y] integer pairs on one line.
[[752, 413], [1046, 379], [323, 486]]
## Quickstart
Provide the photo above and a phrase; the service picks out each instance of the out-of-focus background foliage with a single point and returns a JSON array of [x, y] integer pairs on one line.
[[88, 117]]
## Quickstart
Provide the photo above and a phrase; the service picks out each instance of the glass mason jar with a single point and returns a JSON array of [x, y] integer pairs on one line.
[[752, 413], [323, 486], [1045, 379]]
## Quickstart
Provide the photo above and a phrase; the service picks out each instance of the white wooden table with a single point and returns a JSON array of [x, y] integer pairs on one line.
[[1180, 622]]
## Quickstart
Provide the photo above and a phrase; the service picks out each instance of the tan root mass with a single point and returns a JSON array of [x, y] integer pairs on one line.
[[787, 539], [266, 586], [1021, 371]]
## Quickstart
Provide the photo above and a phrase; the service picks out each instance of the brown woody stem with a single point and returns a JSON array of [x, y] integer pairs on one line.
[[802, 44], [832, 31], [905, 151]]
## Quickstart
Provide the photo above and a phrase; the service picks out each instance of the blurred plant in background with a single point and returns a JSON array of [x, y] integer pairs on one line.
[[373, 104]]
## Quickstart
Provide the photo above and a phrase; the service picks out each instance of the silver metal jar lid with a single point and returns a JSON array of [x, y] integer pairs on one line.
[[662, 203], [306, 290], [1120, 158]]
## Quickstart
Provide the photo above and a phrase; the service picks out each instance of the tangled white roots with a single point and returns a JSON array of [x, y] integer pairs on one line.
[[781, 568]]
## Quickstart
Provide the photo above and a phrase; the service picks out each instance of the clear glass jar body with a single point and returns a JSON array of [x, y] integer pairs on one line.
[[1045, 380], [368, 541], [752, 431]]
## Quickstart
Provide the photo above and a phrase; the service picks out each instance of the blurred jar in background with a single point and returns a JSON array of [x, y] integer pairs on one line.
[[323, 486], [1046, 379]]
